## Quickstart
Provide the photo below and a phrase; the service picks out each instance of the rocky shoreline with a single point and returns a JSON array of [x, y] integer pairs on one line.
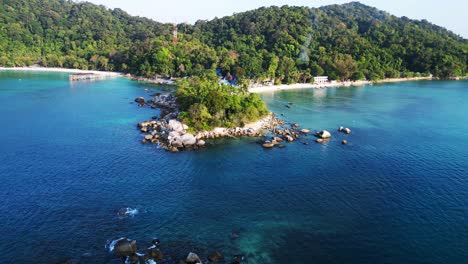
[[129, 251], [171, 134]]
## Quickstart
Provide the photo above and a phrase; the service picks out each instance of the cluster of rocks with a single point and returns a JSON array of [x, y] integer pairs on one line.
[[295, 133], [285, 134], [255, 130], [324, 135], [344, 130], [127, 250], [171, 134], [163, 101], [220, 132]]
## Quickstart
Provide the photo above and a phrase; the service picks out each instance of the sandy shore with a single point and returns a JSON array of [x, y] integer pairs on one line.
[[44, 69], [273, 88], [392, 80], [262, 123]]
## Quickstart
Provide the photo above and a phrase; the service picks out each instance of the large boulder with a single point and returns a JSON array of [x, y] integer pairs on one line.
[[324, 134], [193, 258], [189, 140], [173, 135], [175, 139], [125, 247], [177, 143], [175, 125], [219, 131]]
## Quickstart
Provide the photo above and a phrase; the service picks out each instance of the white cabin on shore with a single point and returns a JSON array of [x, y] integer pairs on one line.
[[320, 79]]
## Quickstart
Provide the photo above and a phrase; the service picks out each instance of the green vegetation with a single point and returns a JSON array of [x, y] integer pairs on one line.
[[206, 104], [287, 44]]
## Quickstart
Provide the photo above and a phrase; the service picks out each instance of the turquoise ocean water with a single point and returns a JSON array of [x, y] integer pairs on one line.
[[71, 157]]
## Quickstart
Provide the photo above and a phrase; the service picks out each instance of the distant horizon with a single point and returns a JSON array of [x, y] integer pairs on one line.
[[182, 11]]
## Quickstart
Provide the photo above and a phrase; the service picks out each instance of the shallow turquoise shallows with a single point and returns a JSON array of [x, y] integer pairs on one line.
[[71, 157]]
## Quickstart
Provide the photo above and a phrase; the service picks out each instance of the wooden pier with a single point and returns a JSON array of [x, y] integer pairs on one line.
[[86, 77]]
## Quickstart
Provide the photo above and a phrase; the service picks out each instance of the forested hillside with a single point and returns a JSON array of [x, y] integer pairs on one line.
[[287, 44]]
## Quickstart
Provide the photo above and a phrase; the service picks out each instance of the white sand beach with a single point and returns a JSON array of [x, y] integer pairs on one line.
[[46, 69], [273, 88]]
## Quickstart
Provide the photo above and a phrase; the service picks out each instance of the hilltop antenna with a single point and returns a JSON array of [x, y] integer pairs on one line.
[[175, 37]]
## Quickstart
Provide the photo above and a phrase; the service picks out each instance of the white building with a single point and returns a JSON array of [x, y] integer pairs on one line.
[[320, 79]]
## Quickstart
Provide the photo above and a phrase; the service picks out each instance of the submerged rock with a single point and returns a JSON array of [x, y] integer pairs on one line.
[[156, 241], [155, 253], [344, 142], [132, 259], [127, 212], [140, 100], [193, 258], [237, 259], [278, 139], [215, 257]]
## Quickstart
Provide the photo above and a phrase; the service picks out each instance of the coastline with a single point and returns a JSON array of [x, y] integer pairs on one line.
[[298, 86], [171, 134], [64, 70]]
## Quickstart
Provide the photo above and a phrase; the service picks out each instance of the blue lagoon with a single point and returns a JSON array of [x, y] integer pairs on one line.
[[71, 158]]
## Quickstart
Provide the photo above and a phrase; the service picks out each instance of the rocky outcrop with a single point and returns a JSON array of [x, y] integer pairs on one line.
[[171, 134]]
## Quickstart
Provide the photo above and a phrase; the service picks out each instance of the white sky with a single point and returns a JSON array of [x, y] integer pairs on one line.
[[451, 14]]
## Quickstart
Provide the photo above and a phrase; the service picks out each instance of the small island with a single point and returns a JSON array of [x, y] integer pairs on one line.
[[203, 108]]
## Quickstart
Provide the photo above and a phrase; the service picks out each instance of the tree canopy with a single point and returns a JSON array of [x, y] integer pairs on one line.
[[287, 44], [205, 103]]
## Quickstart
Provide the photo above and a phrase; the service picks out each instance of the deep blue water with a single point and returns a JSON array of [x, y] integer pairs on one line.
[[71, 157]]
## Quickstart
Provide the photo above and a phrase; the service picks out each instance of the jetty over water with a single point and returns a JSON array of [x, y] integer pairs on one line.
[[86, 77]]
